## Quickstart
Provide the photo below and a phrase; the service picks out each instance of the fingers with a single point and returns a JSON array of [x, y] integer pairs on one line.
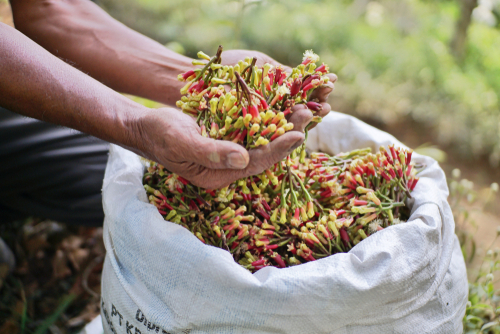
[[300, 117], [261, 159], [207, 152], [218, 154], [321, 93], [333, 77], [266, 156], [178, 142], [325, 109]]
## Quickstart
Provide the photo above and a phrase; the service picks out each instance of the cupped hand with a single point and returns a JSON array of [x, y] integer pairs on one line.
[[301, 116], [174, 140]]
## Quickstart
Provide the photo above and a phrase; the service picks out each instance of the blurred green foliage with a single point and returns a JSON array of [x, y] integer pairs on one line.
[[392, 56], [482, 314]]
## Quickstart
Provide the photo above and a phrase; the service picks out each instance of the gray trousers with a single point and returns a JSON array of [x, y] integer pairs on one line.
[[49, 171]]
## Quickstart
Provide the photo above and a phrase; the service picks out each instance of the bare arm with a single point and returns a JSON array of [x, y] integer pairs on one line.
[[35, 83], [84, 35]]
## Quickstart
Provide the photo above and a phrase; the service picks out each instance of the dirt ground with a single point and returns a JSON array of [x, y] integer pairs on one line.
[[55, 286], [485, 236]]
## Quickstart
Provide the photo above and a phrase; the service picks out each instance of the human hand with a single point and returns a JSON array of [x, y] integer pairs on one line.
[[174, 140], [301, 116]]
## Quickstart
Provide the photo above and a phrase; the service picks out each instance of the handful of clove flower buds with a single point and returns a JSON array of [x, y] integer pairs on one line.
[[302, 209], [253, 111]]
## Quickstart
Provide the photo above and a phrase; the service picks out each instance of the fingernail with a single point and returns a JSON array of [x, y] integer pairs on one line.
[[236, 160], [214, 157]]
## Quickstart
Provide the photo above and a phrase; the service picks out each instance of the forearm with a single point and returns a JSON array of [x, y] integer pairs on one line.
[[36, 84], [81, 33]]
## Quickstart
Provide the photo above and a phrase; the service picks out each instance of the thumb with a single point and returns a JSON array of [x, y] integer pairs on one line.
[[260, 159], [265, 156], [217, 154], [301, 116]]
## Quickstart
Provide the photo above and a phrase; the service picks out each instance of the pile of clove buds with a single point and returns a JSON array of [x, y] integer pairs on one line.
[[303, 208]]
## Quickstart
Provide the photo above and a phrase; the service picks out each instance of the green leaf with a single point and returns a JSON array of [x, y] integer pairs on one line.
[[474, 319], [490, 289], [482, 307], [489, 325], [473, 250], [474, 298], [57, 313], [480, 290], [432, 151], [472, 331]]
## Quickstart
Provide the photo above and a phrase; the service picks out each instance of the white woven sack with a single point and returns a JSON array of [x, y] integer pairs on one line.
[[159, 278]]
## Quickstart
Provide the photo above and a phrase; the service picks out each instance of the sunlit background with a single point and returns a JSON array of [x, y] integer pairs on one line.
[[427, 71], [398, 61]]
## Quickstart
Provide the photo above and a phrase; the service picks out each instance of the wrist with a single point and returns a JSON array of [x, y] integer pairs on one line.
[[163, 85], [132, 132]]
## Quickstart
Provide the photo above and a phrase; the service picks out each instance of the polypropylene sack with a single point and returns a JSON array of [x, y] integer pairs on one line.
[[159, 278]]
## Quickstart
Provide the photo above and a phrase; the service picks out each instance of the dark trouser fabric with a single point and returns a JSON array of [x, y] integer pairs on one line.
[[49, 172]]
